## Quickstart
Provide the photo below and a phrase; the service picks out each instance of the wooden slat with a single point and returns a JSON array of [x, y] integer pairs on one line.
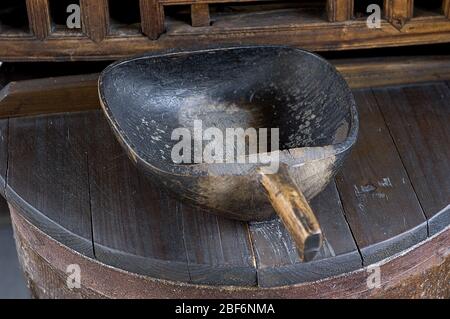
[[418, 118], [39, 18], [95, 18], [137, 226], [398, 12], [200, 15], [49, 95], [219, 250], [340, 10], [152, 18], [122, 239], [47, 177], [277, 257], [79, 92], [418, 273], [379, 201], [446, 8], [285, 28], [376, 72]]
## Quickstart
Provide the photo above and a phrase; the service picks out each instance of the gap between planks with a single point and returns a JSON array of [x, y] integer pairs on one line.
[[90, 203], [401, 158], [188, 262], [425, 109], [7, 157]]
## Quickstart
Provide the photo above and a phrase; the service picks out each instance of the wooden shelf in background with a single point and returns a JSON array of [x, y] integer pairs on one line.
[[309, 25]]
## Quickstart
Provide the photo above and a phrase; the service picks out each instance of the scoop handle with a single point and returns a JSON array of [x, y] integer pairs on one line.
[[294, 211]]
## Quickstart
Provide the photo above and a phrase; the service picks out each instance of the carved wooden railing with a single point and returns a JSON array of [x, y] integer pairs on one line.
[[316, 25]]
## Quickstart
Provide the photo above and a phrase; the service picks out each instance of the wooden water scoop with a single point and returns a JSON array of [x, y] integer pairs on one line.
[[146, 98]]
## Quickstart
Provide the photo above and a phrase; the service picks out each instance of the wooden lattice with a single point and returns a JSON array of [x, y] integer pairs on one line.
[[316, 25]]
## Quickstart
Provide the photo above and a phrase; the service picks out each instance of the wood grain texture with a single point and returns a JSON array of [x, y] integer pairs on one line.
[[295, 213], [152, 18], [35, 263], [218, 250], [304, 28], [446, 8], [276, 255], [62, 94], [95, 18], [379, 201], [389, 71], [61, 148], [138, 227], [418, 119], [200, 15], [3, 154], [340, 10], [398, 12], [39, 18], [48, 178], [3, 141], [135, 226], [420, 272], [49, 95]]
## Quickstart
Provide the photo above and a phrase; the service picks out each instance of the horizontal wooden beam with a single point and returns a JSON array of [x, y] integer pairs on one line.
[[49, 95], [398, 12], [79, 92], [316, 36]]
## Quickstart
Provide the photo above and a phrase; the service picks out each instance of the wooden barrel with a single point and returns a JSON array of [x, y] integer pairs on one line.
[[76, 199]]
